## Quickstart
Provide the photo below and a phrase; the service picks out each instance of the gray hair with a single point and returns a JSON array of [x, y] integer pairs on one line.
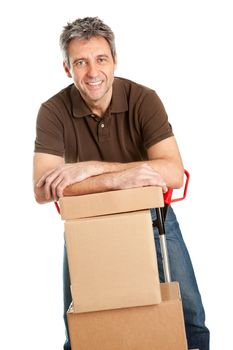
[[86, 28]]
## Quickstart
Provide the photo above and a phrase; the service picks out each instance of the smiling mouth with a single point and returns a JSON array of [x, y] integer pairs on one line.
[[95, 83]]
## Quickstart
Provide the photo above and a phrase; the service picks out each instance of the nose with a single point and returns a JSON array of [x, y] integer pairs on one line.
[[92, 70]]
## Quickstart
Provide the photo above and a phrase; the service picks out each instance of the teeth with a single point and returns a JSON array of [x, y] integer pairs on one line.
[[95, 83]]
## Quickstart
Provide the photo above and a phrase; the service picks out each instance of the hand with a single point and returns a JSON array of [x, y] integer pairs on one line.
[[142, 175], [54, 181]]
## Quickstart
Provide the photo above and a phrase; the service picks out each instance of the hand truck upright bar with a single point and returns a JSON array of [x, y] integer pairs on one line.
[[160, 224]]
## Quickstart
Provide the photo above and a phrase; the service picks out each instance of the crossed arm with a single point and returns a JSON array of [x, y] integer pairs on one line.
[[53, 178]]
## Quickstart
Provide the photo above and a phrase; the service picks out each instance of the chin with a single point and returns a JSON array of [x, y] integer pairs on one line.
[[96, 96]]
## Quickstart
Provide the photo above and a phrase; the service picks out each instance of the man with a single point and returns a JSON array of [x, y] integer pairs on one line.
[[103, 133]]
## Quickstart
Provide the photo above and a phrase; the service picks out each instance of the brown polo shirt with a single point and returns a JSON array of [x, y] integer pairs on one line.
[[134, 121]]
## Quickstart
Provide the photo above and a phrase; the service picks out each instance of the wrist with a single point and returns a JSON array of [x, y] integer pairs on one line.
[[110, 167], [108, 182]]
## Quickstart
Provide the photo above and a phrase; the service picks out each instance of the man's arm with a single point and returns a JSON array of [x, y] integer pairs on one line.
[[43, 163], [164, 156], [138, 176], [166, 159], [164, 167]]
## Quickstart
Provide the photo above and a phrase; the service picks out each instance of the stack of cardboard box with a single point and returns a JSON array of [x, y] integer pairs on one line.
[[118, 302]]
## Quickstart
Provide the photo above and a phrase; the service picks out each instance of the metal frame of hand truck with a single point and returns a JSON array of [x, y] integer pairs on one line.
[[160, 224]]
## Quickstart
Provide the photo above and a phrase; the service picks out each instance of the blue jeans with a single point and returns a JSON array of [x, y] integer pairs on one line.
[[181, 271], [67, 297]]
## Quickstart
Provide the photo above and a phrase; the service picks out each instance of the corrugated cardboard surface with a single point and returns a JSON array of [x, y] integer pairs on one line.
[[112, 261], [156, 327], [111, 202]]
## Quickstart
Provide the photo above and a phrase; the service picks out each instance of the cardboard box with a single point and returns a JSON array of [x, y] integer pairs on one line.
[[111, 202], [156, 327], [112, 261]]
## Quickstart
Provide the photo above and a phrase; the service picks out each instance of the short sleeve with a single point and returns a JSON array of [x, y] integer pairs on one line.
[[49, 132], [153, 120]]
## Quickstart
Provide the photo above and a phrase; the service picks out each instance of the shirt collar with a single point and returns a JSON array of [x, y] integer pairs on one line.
[[119, 102]]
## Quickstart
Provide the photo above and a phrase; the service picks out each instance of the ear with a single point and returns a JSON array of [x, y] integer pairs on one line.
[[67, 70]]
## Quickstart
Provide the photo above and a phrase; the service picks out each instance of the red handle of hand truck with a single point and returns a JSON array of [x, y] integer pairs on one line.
[[57, 206], [168, 195]]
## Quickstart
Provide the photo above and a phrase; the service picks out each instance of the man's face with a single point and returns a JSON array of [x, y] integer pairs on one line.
[[91, 68]]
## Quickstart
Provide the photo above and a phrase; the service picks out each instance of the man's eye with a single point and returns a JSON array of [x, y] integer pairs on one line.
[[80, 62], [102, 60]]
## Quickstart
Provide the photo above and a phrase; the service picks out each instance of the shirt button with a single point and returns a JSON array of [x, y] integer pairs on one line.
[[102, 125]]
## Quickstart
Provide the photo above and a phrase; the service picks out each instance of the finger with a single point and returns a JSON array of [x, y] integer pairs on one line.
[[48, 182], [160, 182], [54, 186], [157, 180], [48, 190], [60, 188], [43, 178]]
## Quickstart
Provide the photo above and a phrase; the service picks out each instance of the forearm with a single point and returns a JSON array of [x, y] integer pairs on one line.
[[168, 164], [171, 170], [163, 168], [94, 184], [137, 176]]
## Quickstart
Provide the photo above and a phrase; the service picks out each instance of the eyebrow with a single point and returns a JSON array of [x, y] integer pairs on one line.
[[84, 58], [103, 55]]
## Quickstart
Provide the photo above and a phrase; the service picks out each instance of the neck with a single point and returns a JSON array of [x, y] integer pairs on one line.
[[99, 111], [99, 107]]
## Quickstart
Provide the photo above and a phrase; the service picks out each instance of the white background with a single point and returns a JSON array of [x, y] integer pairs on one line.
[[183, 50]]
